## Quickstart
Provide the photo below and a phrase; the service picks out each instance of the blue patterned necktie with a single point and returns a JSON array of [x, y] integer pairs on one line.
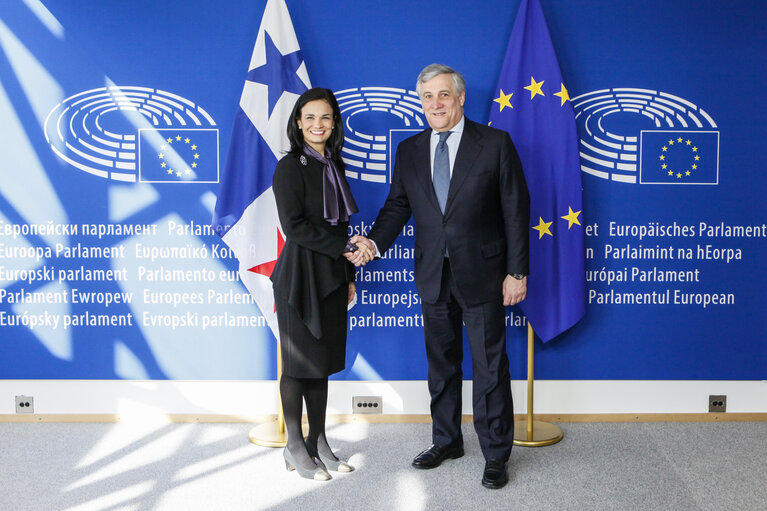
[[442, 170]]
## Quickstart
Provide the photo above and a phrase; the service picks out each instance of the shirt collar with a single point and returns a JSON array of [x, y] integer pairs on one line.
[[458, 128]]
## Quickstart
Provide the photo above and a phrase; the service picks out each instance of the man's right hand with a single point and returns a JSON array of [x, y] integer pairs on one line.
[[362, 240], [364, 253]]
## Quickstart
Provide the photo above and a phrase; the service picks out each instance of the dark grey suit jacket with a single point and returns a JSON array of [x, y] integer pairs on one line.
[[486, 222]]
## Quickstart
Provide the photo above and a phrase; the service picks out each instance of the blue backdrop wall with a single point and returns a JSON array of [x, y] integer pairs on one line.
[[107, 271]]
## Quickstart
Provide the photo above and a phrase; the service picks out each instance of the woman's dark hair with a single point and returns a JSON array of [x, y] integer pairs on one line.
[[296, 136]]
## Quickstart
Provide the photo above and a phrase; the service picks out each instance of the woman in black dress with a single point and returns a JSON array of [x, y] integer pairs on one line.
[[314, 279]]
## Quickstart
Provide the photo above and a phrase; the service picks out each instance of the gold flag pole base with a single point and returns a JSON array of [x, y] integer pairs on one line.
[[544, 433], [532, 433], [270, 434]]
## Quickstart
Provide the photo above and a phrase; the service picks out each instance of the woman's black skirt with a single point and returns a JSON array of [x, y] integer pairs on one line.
[[305, 356]]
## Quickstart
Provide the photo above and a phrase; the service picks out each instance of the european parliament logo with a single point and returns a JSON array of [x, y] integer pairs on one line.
[[121, 133], [376, 119], [647, 137]]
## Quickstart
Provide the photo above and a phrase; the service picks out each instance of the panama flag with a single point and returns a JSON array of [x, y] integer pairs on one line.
[[245, 215], [533, 105]]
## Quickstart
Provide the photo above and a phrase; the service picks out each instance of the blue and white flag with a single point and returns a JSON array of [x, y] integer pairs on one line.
[[246, 213], [533, 106]]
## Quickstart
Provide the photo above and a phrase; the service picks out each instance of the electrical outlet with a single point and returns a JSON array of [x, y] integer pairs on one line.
[[367, 404], [25, 404], [717, 404]]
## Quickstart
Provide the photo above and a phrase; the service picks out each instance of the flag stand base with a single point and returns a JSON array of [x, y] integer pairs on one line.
[[542, 433], [269, 434]]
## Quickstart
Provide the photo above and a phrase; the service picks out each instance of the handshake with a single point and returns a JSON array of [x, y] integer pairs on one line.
[[360, 250]]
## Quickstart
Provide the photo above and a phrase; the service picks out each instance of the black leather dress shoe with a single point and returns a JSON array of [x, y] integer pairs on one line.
[[435, 455], [496, 474]]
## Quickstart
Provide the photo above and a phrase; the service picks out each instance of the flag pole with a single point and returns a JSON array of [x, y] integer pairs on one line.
[[272, 433], [532, 433]]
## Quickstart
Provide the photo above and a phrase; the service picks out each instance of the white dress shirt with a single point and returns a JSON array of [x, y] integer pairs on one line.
[[452, 144]]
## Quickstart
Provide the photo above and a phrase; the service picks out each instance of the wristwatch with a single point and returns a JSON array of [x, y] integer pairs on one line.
[[519, 276]]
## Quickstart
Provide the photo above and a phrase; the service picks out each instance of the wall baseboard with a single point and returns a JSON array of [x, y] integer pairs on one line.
[[381, 418]]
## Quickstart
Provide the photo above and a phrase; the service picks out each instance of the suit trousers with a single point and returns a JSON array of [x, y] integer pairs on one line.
[[492, 402]]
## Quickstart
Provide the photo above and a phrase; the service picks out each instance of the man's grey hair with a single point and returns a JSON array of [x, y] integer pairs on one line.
[[433, 70]]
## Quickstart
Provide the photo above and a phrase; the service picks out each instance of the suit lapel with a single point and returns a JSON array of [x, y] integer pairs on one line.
[[468, 150]]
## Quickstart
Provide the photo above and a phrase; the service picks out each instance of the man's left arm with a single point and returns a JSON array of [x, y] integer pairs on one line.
[[515, 204]]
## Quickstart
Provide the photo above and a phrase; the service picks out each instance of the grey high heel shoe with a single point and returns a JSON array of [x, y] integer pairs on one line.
[[318, 473], [334, 465]]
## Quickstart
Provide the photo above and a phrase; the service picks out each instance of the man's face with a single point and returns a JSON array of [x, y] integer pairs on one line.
[[441, 103]]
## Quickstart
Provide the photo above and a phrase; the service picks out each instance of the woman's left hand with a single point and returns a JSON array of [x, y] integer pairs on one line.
[[352, 290]]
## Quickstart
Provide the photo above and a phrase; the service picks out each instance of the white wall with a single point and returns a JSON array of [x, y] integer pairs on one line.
[[255, 398]]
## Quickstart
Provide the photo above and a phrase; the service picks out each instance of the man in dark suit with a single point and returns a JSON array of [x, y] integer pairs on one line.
[[467, 193]]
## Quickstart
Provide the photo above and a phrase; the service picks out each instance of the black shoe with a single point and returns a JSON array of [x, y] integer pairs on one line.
[[435, 455], [496, 474]]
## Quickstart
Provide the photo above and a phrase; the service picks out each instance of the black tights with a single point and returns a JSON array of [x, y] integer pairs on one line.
[[293, 392]]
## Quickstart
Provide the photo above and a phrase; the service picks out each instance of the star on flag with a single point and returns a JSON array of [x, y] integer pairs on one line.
[[544, 227], [267, 268]]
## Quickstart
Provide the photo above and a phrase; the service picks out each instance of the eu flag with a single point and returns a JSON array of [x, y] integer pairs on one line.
[[170, 155], [533, 106], [679, 157]]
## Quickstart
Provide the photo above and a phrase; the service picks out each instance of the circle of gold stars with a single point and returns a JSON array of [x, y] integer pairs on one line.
[[684, 144], [186, 171]]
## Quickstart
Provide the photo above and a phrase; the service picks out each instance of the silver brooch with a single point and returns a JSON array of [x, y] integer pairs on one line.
[[303, 161]]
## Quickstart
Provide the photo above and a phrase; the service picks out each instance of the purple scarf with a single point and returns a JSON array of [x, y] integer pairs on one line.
[[338, 203]]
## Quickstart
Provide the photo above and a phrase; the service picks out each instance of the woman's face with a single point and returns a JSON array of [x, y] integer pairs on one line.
[[316, 124]]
